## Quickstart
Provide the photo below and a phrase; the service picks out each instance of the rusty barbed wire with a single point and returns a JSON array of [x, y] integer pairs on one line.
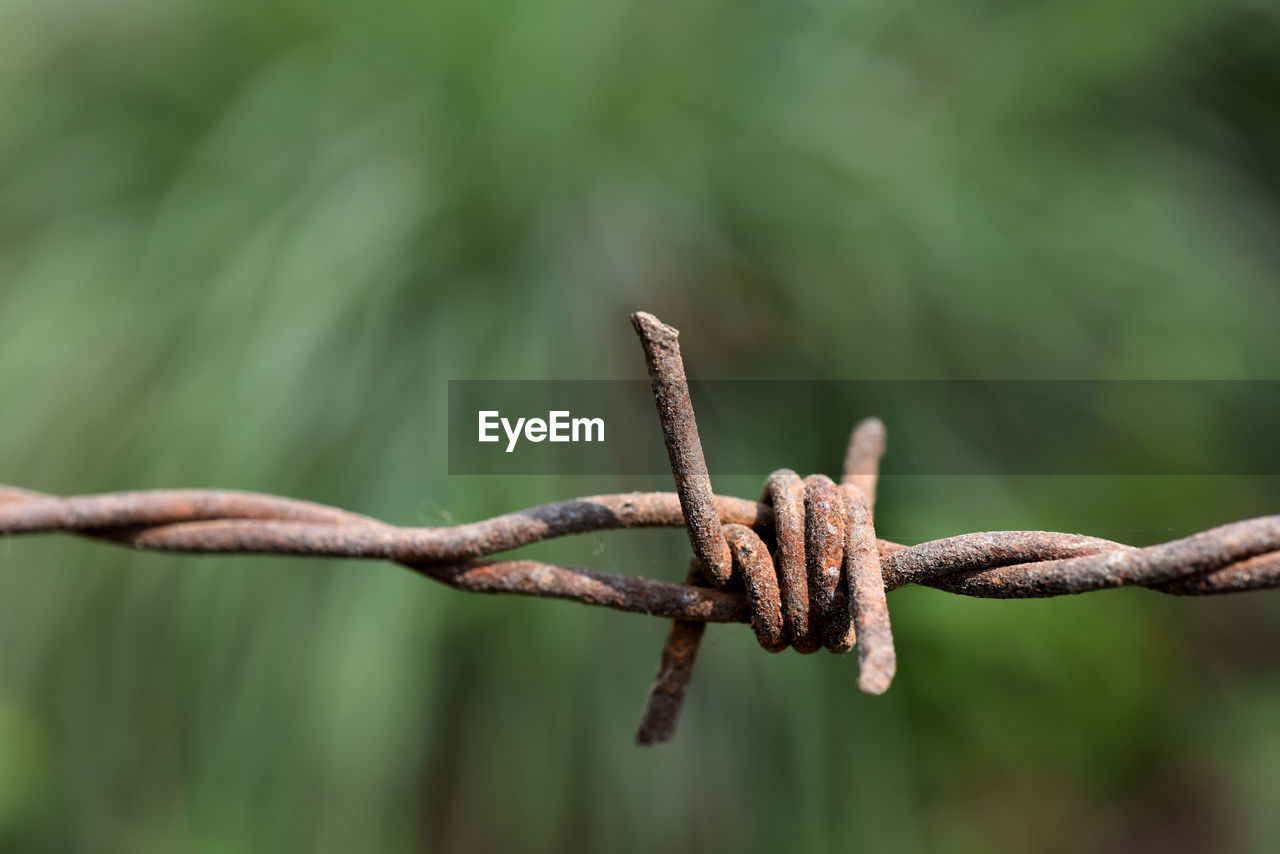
[[825, 587]]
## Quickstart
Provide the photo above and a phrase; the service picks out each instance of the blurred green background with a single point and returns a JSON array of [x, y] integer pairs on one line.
[[247, 245]]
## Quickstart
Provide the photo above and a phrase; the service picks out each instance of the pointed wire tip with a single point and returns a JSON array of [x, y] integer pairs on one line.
[[862, 456], [647, 738], [869, 433], [649, 326], [875, 675], [874, 684]]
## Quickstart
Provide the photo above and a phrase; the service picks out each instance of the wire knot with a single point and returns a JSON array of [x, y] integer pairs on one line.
[[801, 597], [825, 589]]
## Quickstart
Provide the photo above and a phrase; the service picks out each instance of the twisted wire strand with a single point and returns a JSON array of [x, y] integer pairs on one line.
[[1232, 558], [825, 588]]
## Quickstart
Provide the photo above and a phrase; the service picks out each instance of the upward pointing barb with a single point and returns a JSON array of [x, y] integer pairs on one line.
[[684, 448], [862, 459], [826, 586]]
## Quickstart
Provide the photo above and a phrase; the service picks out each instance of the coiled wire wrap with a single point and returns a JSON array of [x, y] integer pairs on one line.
[[731, 541], [826, 588]]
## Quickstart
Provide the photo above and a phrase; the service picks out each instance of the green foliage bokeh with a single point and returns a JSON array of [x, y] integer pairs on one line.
[[247, 244]]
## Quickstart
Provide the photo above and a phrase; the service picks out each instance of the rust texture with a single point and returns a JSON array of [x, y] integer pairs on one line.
[[680, 432], [826, 587], [802, 566], [675, 669]]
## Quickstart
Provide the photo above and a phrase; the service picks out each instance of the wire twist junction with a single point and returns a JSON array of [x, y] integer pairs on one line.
[[1236, 557], [825, 589]]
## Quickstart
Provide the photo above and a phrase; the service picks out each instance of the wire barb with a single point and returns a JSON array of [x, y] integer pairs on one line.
[[825, 587]]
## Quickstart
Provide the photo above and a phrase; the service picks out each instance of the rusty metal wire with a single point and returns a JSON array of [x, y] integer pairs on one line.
[[802, 565]]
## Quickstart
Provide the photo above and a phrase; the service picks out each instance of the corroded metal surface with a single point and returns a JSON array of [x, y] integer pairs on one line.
[[802, 566], [675, 669], [827, 578], [680, 432], [1218, 560]]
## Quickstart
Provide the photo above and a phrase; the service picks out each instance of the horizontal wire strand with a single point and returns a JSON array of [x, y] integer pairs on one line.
[[1235, 557], [825, 587]]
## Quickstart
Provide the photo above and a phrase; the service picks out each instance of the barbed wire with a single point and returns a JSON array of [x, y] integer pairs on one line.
[[802, 565]]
